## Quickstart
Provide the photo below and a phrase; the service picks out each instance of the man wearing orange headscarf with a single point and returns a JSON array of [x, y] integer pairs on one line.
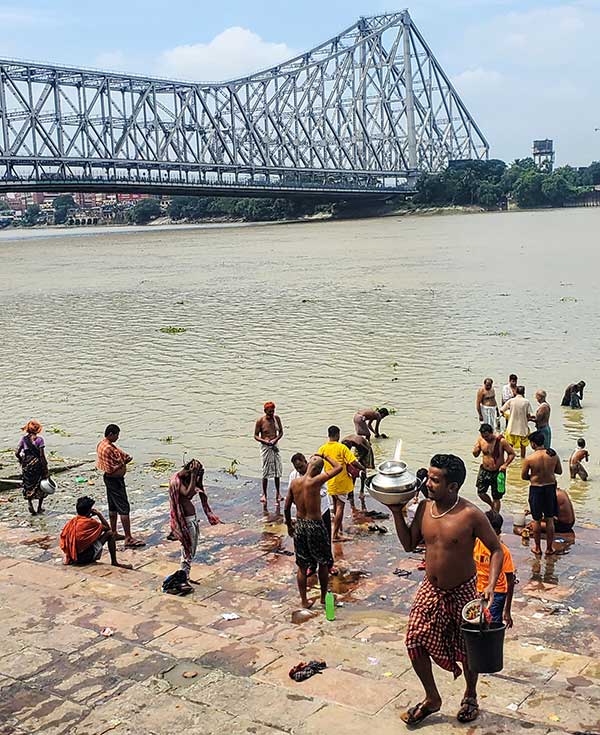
[[83, 537], [267, 432]]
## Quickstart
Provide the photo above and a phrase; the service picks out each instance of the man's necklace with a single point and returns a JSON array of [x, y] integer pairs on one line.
[[441, 515]]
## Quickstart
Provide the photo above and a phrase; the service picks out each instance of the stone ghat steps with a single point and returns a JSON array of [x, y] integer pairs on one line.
[[177, 661]]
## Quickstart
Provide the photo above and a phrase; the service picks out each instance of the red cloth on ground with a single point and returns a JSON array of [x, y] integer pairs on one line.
[[78, 535], [434, 624]]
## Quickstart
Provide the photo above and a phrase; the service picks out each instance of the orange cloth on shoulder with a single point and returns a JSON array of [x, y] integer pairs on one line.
[[78, 535]]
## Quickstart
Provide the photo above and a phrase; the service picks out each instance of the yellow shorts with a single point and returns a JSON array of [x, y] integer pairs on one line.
[[516, 442]]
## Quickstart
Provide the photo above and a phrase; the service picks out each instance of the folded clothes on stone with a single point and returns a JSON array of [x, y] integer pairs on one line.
[[303, 670]]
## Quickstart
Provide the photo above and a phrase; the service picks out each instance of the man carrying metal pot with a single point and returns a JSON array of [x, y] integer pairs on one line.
[[448, 525]]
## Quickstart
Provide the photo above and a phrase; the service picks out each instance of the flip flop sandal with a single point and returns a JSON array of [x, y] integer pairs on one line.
[[403, 572], [135, 545], [469, 710], [411, 718]]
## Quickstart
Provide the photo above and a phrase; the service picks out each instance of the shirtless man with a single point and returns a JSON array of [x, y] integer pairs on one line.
[[364, 453], [183, 486], [581, 454], [493, 447], [363, 422], [540, 469], [487, 407], [542, 417], [565, 519], [311, 542], [449, 525], [268, 430]]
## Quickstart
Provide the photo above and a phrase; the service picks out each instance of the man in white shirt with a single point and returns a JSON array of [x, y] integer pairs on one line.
[[510, 389], [300, 466], [520, 414]]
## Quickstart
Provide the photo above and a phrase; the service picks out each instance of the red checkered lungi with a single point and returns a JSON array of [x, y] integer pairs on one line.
[[434, 624]]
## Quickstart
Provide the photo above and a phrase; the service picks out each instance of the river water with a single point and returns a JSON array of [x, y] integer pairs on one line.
[[323, 318]]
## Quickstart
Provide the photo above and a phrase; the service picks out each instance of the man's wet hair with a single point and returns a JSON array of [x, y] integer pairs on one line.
[[453, 467], [84, 505], [383, 412], [485, 429], [297, 456], [111, 429], [496, 520], [581, 443], [512, 376], [521, 390], [537, 438], [333, 431]]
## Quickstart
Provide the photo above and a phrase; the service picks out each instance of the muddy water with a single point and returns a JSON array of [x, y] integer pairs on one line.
[[323, 318]]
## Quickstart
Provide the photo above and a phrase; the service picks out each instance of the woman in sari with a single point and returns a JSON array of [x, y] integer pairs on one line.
[[32, 459]]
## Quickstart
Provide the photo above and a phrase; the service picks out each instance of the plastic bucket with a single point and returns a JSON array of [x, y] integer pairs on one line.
[[485, 647]]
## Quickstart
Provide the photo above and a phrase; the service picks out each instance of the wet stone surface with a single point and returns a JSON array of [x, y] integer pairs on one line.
[[174, 663]]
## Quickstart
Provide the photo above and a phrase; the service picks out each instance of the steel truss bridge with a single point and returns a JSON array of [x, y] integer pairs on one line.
[[363, 114]]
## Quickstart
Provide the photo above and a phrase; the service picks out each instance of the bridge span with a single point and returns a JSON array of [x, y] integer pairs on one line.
[[361, 115]]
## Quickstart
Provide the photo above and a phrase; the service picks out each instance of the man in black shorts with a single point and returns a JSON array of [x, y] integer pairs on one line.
[[541, 468], [496, 454], [113, 462], [311, 542]]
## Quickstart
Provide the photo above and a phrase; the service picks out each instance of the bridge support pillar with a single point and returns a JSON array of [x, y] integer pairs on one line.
[[411, 131]]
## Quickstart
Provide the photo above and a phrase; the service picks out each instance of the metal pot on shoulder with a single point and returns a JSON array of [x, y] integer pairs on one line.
[[393, 484]]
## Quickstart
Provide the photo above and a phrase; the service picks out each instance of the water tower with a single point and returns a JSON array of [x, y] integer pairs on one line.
[[543, 154]]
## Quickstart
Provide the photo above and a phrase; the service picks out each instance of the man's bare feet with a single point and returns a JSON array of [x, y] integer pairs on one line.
[[536, 550], [122, 566], [340, 539], [119, 536], [263, 499], [308, 604], [278, 499]]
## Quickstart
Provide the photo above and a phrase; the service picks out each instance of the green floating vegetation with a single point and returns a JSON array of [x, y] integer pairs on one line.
[[569, 300], [162, 465], [172, 330], [58, 430], [166, 439]]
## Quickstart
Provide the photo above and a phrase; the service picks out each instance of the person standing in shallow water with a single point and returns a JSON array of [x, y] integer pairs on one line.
[[268, 430], [542, 417], [487, 407], [34, 466], [449, 526], [493, 447]]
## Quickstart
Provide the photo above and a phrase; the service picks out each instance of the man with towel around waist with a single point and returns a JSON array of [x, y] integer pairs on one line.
[[449, 525], [184, 523], [268, 430]]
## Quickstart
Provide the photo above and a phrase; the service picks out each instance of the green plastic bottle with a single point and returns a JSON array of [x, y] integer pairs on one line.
[[501, 483], [329, 606]]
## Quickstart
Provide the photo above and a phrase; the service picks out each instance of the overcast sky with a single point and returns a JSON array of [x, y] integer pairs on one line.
[[524, 69]]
